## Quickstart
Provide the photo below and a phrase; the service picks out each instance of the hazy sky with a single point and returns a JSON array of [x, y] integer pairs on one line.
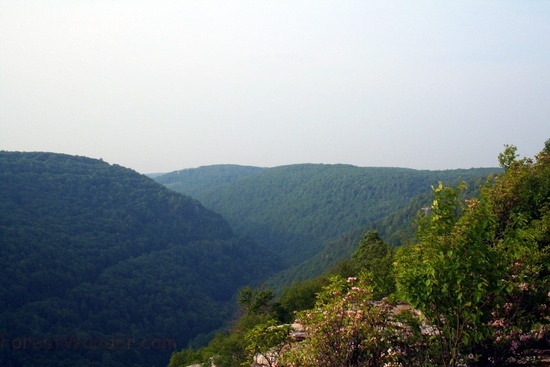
[[163, 85]]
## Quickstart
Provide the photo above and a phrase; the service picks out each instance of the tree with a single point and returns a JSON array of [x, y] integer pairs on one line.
[[521, 203], [256, 301], [375, 256], [266, 343], [480, 269], [448, 273], [299, 296], [507, 158]]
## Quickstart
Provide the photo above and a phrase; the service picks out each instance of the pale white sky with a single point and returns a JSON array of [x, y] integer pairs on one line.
[[158, 86]]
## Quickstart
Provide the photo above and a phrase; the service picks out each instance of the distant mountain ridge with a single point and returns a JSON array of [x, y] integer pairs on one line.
[[92, 251], [296, 210], [194, 181]]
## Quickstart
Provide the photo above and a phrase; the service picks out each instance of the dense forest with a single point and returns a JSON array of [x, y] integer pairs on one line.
[[396, 229], [297, 210], [103, 266], [469, 288], [93, 254]]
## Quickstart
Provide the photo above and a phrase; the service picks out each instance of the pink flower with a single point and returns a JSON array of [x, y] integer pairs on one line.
[[524, 338]]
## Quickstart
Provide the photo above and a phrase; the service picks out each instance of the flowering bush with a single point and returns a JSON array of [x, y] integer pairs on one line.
[[347, 328]]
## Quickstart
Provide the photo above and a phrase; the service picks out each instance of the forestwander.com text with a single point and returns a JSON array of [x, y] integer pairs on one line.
[[74, 342]]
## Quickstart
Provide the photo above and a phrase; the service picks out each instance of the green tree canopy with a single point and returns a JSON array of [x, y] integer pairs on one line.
[[375, 257], [479, 271]]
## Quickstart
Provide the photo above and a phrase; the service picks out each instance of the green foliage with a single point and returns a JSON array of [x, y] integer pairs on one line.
[[296, 210], [479, 271], [375, 257], [256, 301], [266, 343], [507, 158], [521, 202], [477, 278], [95, 251], [299, 296], [187, 357], [92, 251], [335, 254], [447, 275], [396, 229]]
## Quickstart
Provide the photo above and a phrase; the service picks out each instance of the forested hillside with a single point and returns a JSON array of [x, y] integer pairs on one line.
[[296, 210], [396, 229], [102, 266], [469, 288]]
